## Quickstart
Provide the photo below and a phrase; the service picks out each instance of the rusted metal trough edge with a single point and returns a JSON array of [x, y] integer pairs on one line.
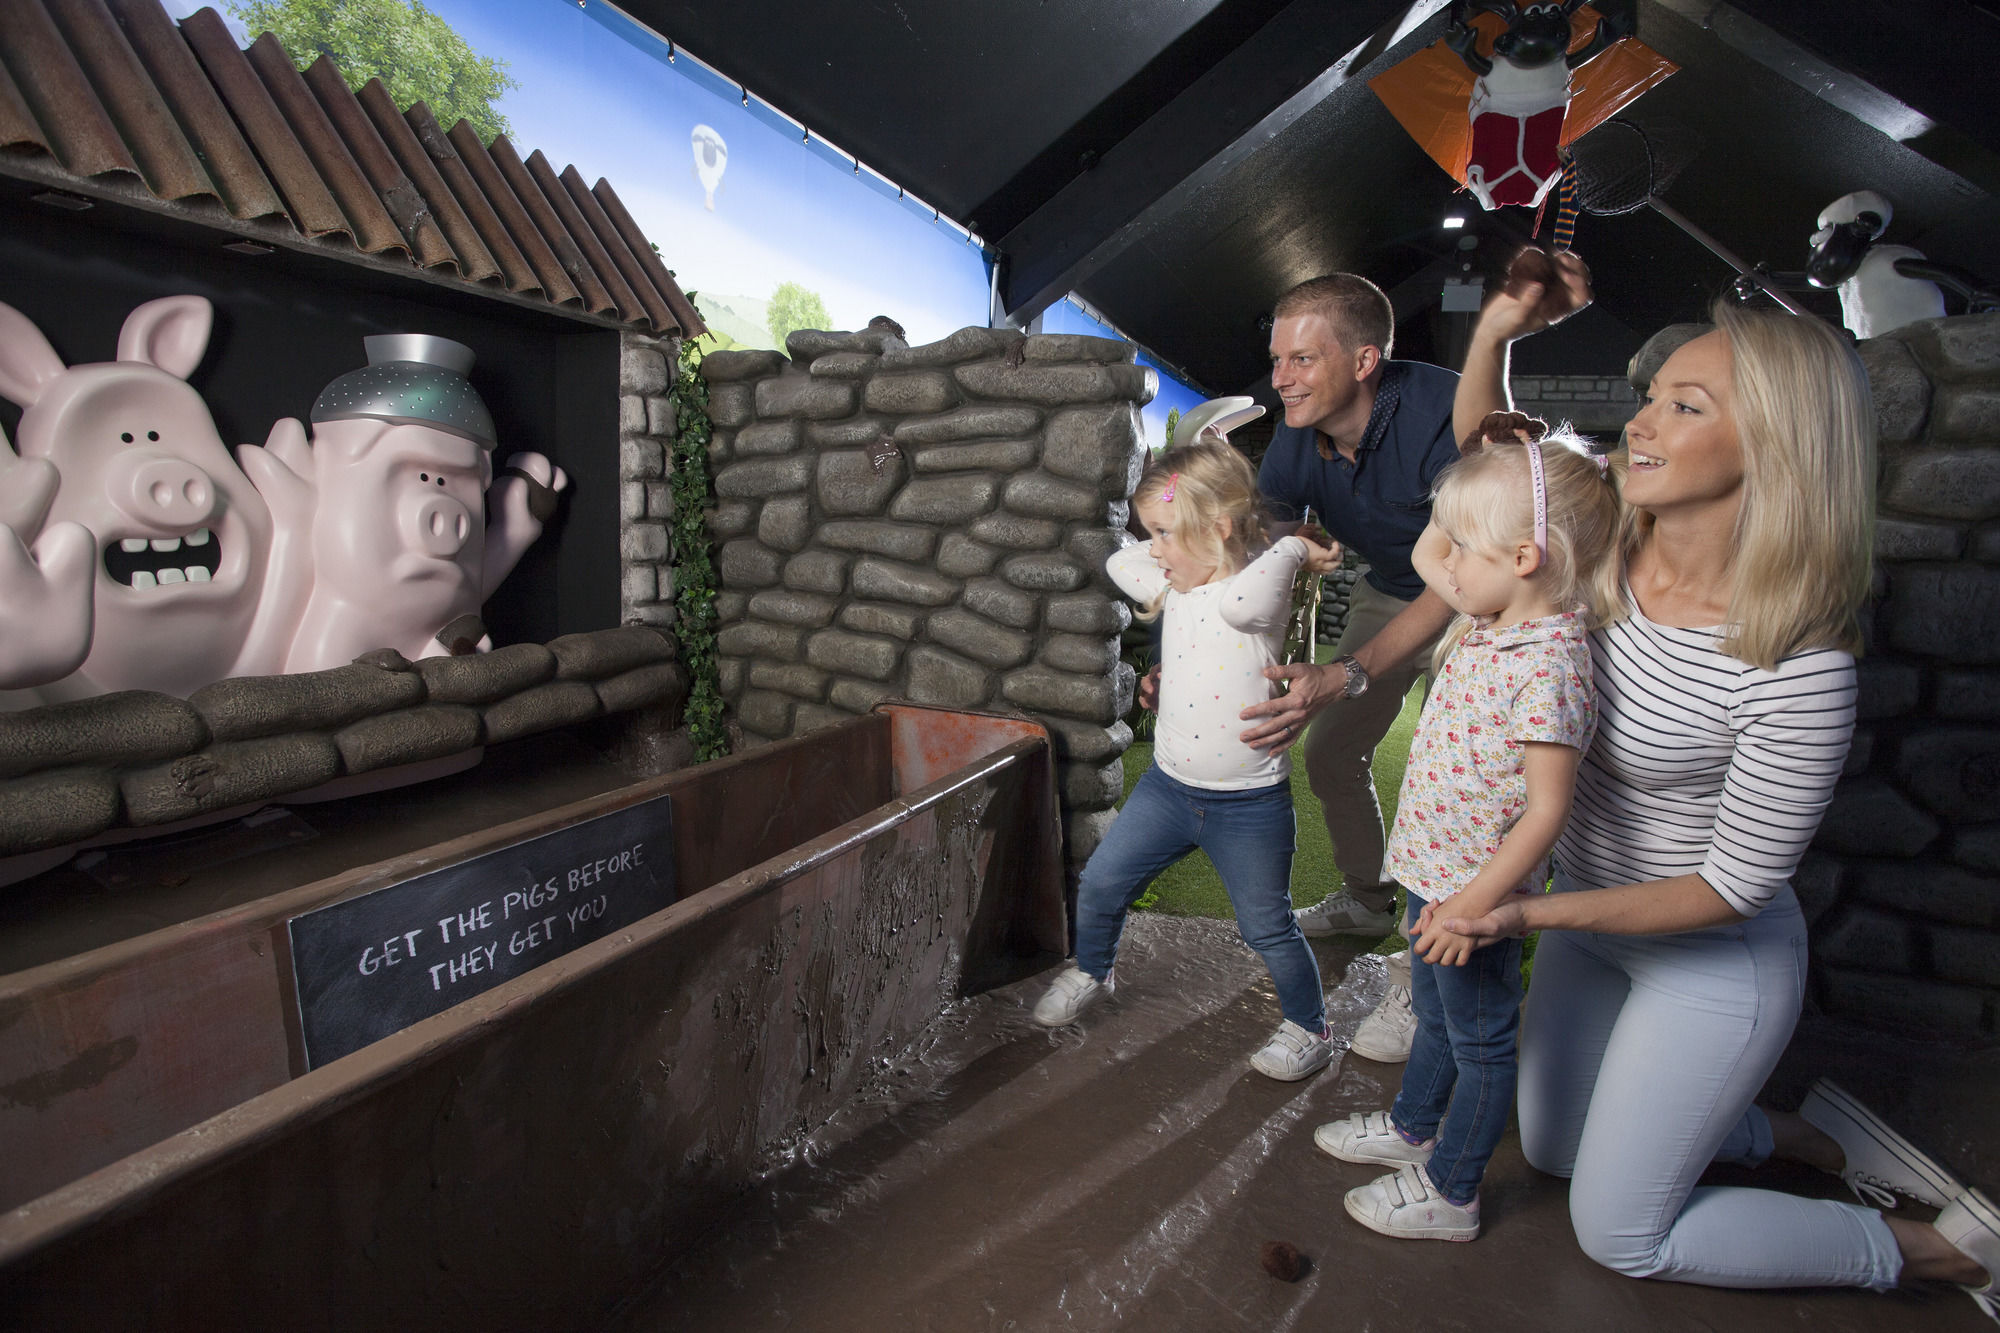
[[128, 1185]]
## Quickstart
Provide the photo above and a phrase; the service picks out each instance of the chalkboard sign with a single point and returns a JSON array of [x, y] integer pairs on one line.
[[370, 966]]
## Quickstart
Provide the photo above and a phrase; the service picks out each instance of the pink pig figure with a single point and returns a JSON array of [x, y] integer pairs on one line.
[[136, 548], [403, 554]]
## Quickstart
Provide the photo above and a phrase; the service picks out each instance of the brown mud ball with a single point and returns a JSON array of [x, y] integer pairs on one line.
[[1283, 1261], [1501, 427], [1535, 264]]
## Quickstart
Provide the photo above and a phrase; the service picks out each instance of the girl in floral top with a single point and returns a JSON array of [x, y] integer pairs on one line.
[[1523, 545]]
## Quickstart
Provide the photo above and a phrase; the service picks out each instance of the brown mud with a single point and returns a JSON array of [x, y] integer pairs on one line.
[[1128, 1172]]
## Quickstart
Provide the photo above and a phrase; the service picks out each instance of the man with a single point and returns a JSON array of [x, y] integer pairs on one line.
[[1362, 441]]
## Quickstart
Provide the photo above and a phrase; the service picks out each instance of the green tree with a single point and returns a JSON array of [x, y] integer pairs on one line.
[[792, 308], [416, 54]]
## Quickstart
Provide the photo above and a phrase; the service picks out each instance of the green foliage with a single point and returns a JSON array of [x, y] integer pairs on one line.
[[694, 567], [1173, 420], [793, 308], [416, 54]]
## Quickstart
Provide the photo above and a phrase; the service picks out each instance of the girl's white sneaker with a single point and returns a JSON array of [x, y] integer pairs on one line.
[[1293, 1053], [1371, 1137], [1072, 993], [1405, 1204]]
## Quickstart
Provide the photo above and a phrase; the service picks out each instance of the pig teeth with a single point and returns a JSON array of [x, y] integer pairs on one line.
[[166, 543], [141, 579], [197, 574], [133, 544], [199, 537], [172, 576]]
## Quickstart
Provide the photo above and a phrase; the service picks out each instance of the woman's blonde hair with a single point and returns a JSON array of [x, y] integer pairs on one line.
[[1486, 502], [1805, 533], [1209, 482]]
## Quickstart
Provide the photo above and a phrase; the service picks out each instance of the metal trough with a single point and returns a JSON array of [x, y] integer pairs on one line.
[[530, 1157]]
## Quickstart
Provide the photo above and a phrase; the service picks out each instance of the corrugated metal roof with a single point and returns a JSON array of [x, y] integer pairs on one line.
[[113, 92]]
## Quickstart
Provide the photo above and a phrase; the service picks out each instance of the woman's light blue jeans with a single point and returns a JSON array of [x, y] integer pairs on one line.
[[1459, 1082], [1249, 835], [1639, 1058]]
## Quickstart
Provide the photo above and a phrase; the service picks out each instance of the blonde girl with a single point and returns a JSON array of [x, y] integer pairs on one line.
[[1224, 598], [1523, 545]]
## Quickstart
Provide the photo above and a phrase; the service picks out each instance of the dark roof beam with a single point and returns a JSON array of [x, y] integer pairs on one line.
[[1308, 52]]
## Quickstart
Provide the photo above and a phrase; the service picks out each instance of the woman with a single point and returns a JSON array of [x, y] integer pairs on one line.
[[1672, 968]]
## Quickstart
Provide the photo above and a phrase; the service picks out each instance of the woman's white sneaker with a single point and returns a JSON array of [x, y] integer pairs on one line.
[[1371, 1137], [1406, 1205], [1293, 1053], [1072, 993], [1972, 1223], [1388, 1032], [1880, 1162]]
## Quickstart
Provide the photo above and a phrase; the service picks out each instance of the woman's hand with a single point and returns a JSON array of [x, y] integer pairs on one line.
[[1507, 921]]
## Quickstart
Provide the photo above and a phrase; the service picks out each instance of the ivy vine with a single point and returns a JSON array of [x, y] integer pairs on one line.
[[694, 568]]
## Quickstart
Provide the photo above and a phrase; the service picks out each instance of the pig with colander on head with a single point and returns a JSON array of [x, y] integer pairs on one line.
[[405, 546], [135, 552]]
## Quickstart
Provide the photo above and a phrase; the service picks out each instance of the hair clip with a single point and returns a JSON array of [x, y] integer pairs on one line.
[[1167, 493], [1541, 499], [1603, 462]]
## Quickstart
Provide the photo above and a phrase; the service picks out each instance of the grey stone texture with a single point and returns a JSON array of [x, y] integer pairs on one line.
[[941, 529], [478, 678], [602, 653], [249, 706], [740, 364], [429, 731], [768, 437], [229, 774], [57, 808], [132, 726], [559, 703], [1906, 868]]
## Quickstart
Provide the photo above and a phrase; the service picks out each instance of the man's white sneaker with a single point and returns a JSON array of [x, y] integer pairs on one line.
[[1370, 1136], [1072, 993], [1343, 914], [1292, 1053], [1406, 1205], [1388, 1033], [1880, 1162], [1971, 1223]]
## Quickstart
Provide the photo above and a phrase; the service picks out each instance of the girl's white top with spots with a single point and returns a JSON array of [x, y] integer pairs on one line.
[[1216, 641]]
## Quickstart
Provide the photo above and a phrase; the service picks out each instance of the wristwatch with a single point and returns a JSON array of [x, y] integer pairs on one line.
[[1356, 684]]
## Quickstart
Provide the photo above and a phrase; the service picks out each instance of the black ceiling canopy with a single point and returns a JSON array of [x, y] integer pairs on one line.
[[1178, 163]]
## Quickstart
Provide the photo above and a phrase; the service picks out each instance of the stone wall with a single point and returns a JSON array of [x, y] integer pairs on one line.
[[1903, 885], [647, 368], [1594, 404], [930, 523]]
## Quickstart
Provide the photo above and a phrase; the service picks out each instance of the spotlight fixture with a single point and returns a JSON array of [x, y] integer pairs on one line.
[[1453, 221]]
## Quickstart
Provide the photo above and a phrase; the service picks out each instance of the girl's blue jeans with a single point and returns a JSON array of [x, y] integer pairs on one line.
[[1459, 1083], [1249, 835]]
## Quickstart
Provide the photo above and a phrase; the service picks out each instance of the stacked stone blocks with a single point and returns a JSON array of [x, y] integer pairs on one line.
[[930, 523], [646, 427], [1903, 885]]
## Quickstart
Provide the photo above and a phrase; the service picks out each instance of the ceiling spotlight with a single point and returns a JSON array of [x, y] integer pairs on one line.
[[1453, 221]]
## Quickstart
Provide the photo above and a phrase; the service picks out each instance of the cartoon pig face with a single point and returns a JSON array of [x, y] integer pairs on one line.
[[182, 534], [400, 519]]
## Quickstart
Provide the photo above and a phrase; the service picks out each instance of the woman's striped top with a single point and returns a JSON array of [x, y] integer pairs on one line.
[[1705, 764]]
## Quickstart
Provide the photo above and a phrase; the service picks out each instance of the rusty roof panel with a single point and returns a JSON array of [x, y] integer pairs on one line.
[[55, 89], [166, 160], [636, 243], [115, 86], [543, 216], [475, 261], [229, 163], [398, 195], [613, 245], [307, 200]]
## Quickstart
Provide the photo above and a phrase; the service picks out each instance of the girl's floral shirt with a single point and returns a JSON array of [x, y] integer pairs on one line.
[[1466, 784]]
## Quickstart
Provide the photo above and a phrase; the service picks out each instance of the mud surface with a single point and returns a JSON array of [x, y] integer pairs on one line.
[[1128, 1172]]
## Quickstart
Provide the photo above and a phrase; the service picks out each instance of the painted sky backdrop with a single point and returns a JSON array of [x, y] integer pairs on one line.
[[597, 91]]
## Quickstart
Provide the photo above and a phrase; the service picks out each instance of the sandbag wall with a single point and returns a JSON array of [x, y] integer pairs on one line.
[[930, 523]]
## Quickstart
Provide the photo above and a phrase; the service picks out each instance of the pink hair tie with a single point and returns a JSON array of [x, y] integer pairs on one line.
[[1167, 494], [1603, 462]]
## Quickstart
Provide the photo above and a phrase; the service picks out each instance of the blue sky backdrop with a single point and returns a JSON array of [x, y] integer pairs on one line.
[[597, 90]]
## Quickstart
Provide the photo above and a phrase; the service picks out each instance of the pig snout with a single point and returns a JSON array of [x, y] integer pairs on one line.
[[162, 491], [437, 525]]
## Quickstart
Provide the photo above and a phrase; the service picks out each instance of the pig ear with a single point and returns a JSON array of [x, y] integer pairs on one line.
[[27, 362], [170, 333]]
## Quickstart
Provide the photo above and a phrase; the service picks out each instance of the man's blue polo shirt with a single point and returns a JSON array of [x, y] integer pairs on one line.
[[1378, 504]]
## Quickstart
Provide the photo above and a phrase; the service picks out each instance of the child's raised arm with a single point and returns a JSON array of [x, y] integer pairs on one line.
[[1136, 573], [1260, 597], [1551, 774]]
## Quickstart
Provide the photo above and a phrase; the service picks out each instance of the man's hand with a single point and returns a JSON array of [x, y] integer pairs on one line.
[[1281, 720], [1149, 690]]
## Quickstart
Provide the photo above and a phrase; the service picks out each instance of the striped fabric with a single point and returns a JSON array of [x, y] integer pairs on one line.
[[1704, 764]]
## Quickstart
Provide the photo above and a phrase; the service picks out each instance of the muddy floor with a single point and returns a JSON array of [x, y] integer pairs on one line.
[[1127, 1173]]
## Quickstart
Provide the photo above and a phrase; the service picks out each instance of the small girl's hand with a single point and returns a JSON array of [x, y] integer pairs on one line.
[[1441, 948], [1322, 556]]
